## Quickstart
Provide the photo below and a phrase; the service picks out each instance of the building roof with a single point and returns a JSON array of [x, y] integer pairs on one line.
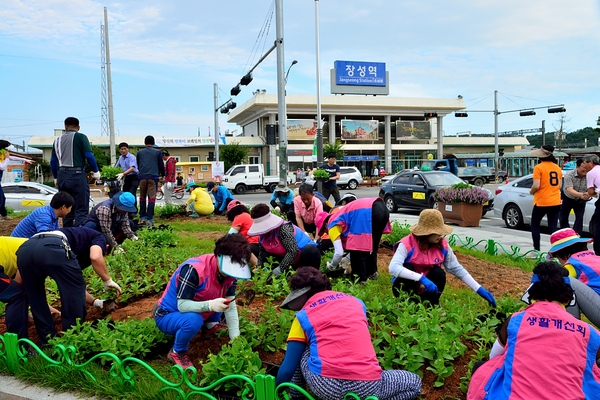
[[261, 105]]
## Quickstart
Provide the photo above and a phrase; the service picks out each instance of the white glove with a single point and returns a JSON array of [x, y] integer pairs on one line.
[[98, 303], [278, 209], [135, 238], [169, 185], [118, 250], [120, 176], [96, 175], [219, 304], [112, 284], [56, 183], [331, 267]]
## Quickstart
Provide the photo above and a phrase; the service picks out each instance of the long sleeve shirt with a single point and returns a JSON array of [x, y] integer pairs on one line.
[[221, 196], [288, 241], [104, 215], [283, 198], [41, 220]]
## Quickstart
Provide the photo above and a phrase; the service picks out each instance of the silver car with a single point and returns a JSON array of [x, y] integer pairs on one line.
[[514, 205], [350, 178], [28, 196]]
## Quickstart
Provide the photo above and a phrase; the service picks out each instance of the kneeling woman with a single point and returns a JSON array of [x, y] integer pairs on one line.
[[283, 241], [542, 352], [199, 292], [417, 263], [335, 358]]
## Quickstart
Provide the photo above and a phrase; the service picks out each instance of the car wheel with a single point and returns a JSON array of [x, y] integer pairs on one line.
[[241, 189], [478, 182], [390, 204], [433, 204], [483, 212], [352, 184], [271, 188], [513, 218]]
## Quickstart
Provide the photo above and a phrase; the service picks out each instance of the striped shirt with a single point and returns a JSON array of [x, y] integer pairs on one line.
[[573, 180], [41, 220]]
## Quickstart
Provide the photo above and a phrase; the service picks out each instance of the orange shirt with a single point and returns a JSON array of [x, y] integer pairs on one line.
[[550, 177], [244, 221]]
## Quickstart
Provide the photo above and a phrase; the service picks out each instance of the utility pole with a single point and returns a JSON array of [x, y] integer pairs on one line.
[[217, 138], [111, 118], [281, 106], [319, 128], [543, 132]]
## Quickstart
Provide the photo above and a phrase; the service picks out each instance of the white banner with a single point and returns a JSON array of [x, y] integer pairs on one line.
[[185, 142]]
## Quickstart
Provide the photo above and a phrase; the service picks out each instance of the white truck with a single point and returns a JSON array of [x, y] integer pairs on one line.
[[244, 177]]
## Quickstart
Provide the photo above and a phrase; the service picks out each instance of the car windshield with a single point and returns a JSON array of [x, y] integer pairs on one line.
[[442, 179]]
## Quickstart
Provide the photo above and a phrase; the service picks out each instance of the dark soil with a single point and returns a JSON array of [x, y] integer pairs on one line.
[[498, 279]]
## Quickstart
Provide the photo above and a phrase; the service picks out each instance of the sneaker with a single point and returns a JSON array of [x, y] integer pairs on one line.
[[143, 221], [208, 333], [180, 358], [8, 217], [374, 276], [194, 215], [150, 223]]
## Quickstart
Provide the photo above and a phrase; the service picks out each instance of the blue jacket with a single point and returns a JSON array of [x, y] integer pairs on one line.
[[221, 196], [283, 198]]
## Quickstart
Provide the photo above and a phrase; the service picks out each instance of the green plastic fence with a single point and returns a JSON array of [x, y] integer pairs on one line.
[[14, 356], [492, 247]]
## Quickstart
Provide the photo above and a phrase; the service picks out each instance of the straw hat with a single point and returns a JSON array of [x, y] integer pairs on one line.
[[565, 238], [430, 222], [265, 224]]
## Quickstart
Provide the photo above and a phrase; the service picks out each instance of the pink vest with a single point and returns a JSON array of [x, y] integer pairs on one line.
[[587, 266], [549, 355], [337, 331], [423, 261]]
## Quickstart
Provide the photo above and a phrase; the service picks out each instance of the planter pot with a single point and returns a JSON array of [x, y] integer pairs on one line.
[[462, 214]]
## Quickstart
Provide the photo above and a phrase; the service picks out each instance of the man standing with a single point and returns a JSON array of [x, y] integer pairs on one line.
[[330, 187], [592, 165], [45, 218], [69, 153], [128, 162], [170, 171], [151, 166], [574, 197]]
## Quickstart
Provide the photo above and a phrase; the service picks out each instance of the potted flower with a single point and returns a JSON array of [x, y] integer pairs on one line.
[[320, 176], [109, 177], [461, 203]]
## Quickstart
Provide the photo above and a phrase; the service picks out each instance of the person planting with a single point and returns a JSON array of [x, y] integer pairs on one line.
[[222, 197], [357, 227], [306, 207], [282, 200], [241, 222], [541, 352], [419, 257], [199, 292], [199, 202], [335, 356], [282, 240], [584, 269]]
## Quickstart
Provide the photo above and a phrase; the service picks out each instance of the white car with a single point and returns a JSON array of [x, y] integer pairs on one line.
[[28, 196], [350, 178], [514, 205]]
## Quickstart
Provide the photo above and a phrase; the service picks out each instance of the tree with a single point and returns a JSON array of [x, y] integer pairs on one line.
[[101, 158], [336, 148], [233, 154], [39, 171]]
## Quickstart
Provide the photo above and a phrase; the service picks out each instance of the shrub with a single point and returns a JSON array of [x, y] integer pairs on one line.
[[461, 193]]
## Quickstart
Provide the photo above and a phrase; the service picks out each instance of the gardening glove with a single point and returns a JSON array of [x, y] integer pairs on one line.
[[428, 286], [98, 303], [169, 185], [489, 297], [135, 238], [96, 175], [118, 250], [218, 305], [112, 284], [56, 183], [120, 176]]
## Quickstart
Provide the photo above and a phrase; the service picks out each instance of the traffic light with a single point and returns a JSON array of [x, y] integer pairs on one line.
[[527, 113], [236, 90], [232, 105], [501, 152], [461, 114], [271, 132], [554, 110], [430, 114], [246, 79]]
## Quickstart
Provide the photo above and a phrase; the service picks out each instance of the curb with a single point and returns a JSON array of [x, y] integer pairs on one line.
[[13, 389]]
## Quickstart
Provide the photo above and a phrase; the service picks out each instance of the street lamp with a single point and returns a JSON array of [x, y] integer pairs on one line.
[[288, 71], [522, 112]]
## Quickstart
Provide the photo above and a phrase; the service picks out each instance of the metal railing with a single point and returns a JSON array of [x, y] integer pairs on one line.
[[492, 247]]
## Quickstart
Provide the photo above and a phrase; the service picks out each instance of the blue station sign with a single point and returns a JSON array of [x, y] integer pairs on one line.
[[360, 73]]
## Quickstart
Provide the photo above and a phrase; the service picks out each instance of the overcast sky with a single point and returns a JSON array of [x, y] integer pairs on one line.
[[166, 56]]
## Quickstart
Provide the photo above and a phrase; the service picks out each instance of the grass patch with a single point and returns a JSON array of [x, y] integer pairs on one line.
[[526, 265]]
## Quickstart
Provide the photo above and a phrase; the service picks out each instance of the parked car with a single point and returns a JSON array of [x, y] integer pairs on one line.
[[28, 196], [514, 205], [350, 178], [414, 189]]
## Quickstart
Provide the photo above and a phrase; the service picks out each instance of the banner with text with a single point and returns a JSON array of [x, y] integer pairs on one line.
[[413, 130], [353, 129]]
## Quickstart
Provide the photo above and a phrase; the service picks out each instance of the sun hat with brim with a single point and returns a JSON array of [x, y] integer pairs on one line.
[[282, 187], [541, 153], [348, 198], [265, 224], [565, 238], [234, 203], [124, 201], [430, 222], [320, 221], [233, 269], [296, 299]]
